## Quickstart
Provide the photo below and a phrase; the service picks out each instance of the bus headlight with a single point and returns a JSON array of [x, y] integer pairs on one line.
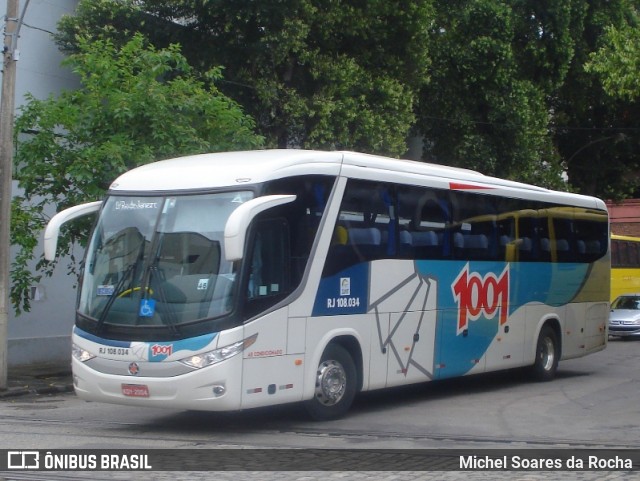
[[80, 354], [213, 357]]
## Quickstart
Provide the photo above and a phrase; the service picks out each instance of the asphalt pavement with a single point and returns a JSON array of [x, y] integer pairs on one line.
[[48, 379]]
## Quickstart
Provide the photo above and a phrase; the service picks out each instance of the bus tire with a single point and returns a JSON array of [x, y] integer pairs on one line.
[[335, 385], [547, 355]]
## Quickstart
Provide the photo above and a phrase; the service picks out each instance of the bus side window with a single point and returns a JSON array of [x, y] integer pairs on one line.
[[474, 226], [591, 237], [423, 214], [366, 228], [633, 254], [616, 260], [506, 237]]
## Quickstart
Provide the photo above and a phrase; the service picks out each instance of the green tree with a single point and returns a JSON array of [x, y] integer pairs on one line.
[[595, 132], [493, 85], [314, 74], [616, 64], [618, 60], [495, 64], [136, 104]]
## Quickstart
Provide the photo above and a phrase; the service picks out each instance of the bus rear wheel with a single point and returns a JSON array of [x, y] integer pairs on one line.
[[335, 385], [547, 355]]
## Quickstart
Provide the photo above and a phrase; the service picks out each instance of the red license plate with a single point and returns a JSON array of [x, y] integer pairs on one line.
[[135, 390]]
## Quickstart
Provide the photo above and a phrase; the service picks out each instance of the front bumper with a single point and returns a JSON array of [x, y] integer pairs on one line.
[[624, 331], [214, 388]]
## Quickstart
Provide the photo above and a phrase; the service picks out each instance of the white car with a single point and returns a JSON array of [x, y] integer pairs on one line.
[[624, 318]]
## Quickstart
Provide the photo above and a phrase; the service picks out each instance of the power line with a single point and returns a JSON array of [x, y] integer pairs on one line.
[[38, 28]]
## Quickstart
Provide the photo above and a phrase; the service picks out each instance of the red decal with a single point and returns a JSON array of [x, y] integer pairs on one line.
[[161, 350], [478, 296], [460, 186]]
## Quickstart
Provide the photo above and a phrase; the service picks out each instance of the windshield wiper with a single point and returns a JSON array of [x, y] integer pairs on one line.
[[114, 295], [117, 290], [169, 317]]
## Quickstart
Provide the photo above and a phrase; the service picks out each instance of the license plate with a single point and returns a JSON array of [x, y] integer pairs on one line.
[[135, 390]]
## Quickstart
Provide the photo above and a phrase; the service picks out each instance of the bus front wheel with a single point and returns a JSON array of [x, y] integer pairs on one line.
[[335, 385], [547, 355]]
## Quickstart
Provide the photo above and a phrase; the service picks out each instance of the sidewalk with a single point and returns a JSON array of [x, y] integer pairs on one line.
[[38, 379]]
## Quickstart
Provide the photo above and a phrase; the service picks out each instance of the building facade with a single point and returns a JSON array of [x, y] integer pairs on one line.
[[43, 334], [625, 217]]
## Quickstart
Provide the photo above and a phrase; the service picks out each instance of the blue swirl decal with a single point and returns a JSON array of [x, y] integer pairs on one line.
[[461, 339]]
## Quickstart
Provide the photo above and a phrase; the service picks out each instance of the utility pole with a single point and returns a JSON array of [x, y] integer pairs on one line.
[[7, 107]]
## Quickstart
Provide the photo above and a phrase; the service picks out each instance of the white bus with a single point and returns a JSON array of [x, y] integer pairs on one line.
[[235, 280]]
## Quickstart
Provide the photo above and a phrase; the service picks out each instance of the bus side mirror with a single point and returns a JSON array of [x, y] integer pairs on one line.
[[52, 231], [235, 230]]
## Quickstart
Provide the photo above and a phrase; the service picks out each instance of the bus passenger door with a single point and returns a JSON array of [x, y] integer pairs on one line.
[[272, 367]]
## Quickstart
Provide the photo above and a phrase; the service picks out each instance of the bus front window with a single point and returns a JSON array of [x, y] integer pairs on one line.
[[159, 262]]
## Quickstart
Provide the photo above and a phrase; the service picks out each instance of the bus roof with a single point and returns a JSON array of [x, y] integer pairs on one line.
[[226, 169], [234, 169]]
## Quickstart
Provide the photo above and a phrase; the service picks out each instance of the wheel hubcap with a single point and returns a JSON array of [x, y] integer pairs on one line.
[[547, 354], [331, 383]]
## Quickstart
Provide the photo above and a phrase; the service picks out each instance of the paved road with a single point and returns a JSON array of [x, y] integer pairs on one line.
[[594, 403]]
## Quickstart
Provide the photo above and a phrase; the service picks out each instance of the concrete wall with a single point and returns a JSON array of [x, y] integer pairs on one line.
[[43, 335]]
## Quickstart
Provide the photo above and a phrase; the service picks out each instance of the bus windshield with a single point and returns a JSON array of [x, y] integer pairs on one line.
[[159, 261]]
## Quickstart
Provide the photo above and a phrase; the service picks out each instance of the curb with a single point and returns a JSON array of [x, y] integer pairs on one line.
[[14, 392], [36, 386]]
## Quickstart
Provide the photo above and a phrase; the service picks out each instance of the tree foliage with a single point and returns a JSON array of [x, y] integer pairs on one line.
[[596, 133], [314, 74], [532, 90], [618, 60], [495, 65], [492, 85], [136, 104], [510, 95], [616, 64]]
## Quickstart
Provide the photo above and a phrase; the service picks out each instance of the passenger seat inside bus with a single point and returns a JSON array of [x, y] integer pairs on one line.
[[364, 236], [588, 250], [351, 245], [561, 247], [475, 246], [525, 248], [426, 245]]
